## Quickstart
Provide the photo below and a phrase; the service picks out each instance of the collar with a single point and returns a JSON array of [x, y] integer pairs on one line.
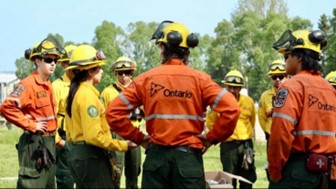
[[174, 61], [38, 79], [65, 78], [305, 72], [91, 87]]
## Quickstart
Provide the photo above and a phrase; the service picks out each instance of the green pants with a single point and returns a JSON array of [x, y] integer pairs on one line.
[[296, 175], [63, 175], [90, 166], [131, 161], [29, 176], [173, 167], [232, 154], [132, 167]]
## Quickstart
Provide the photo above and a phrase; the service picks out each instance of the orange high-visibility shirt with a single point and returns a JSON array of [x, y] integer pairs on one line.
[[303, 121], [31, 101], [174, 97]]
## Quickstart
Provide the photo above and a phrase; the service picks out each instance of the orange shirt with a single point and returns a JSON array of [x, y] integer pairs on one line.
[[31, 101], [304, 120], [174, 97]]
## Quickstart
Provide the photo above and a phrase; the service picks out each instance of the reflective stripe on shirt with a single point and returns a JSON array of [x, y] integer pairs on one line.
[[128, 104], [174, 116], [314, 132], [284, 116], [218, 97]]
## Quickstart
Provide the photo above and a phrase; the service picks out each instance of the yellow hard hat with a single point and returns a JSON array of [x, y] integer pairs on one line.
[[175, 34], [85, 57], [124, 63], [277, 67], [234, 78], [301, 39], [331, 78], [45, 47], [66, 56]]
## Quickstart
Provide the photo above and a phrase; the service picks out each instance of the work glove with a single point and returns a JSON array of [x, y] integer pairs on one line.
[[248, 158], [44, 159]]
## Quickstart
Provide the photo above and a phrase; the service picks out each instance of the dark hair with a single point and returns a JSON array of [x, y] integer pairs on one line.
[[309, 60], [171, 51], [79, 77]]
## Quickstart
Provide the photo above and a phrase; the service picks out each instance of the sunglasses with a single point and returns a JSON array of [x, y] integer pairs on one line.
[[274, 67], [234, 79], [286, 56], [275, 77], [50, 60], [126, 73]]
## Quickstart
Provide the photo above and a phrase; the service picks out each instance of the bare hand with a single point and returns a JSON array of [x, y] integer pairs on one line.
[[131, 144], [41, 126], [145, 142], [60, 144], [205, 142]]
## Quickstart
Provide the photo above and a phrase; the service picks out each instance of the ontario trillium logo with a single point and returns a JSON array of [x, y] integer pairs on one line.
[[155, 88], [312, 100]]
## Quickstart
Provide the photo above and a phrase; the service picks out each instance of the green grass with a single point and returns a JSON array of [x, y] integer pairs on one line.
[[9, 163]]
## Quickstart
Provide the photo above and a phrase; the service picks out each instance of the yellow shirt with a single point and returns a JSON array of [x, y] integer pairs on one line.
[[88, 122], [245, 125], [61, 90], [265, 109], [110, 93]]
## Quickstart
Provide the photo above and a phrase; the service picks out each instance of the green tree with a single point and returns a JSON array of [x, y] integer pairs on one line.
[[245, 42], [328, 25], [108, 38], [139, 46]]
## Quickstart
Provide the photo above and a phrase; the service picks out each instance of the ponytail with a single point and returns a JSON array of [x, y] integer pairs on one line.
[[80, 76]]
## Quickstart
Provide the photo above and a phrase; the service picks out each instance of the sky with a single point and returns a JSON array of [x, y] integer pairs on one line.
[[25, 23]]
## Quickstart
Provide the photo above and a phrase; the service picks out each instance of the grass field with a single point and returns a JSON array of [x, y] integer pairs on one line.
[[9, 163]]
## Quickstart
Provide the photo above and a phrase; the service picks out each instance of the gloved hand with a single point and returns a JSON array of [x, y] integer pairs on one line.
[[44, 159], [248, 158]]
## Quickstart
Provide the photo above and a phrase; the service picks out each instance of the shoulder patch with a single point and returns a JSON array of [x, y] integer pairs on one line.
[[92, 111], [17, 91], [281, 97]]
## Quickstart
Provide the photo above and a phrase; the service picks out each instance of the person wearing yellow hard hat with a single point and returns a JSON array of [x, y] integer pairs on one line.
[[31, 106], [304, 116], [174, 98], [236, 153], [88, 134], [61, 87], [331, 78], [123, 69], [277, 73]]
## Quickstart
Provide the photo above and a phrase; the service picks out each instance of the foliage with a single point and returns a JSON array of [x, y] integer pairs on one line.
[[328, 25], [244, 42]]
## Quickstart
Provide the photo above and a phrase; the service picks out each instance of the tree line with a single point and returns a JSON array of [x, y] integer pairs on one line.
[[243, 43]]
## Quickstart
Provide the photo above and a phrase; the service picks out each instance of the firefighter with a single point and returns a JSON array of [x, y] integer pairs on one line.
[[236, 153], [123, 69], [31, 106], [277, 73], [304, 116], [174, 97], [61, 89], [331, 78], [86, 129]]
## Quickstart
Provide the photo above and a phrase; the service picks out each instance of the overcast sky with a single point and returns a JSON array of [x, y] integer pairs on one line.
[[25, 23]]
